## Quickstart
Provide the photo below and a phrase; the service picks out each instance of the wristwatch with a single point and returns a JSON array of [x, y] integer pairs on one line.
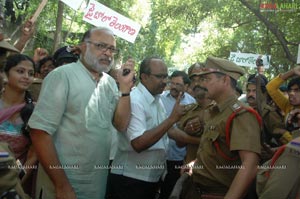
[[123, 94]]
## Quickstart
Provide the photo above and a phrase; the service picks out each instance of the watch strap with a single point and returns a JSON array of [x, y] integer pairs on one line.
[[125, 94]]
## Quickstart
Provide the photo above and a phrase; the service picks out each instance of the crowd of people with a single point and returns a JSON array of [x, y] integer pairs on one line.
[[82, 129]]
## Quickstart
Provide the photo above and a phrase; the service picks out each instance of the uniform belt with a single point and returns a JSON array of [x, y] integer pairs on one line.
[[209, 193]]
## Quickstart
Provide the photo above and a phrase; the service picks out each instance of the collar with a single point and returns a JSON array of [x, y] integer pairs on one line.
[[95, 79], [148, 96]]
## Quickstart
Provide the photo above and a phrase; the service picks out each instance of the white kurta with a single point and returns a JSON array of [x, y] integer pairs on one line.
[[77, 113]]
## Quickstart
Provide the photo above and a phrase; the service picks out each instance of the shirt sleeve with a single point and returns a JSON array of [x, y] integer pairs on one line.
[[137, 125], [51, 104], [245, 133], [277, 96]]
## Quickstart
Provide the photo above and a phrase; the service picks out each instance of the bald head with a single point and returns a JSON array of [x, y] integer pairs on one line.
[[87, 34]]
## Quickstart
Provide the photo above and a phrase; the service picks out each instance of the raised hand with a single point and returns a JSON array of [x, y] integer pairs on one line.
[[297, 70], [126, 76], [39, 54], [178, 109]]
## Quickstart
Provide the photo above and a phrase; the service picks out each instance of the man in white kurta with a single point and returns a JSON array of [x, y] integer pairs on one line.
[[70, 126], [79, 124]]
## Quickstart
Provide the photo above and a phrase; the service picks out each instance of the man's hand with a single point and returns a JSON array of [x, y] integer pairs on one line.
[[297, 70], [28, 29], [178, 110], [294, 116], [188, 168], [193, 126], [126, 76], [39, 54]]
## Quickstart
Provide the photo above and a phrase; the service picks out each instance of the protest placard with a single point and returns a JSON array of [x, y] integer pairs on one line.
[[100, 15], [249, 59], [74, 4]]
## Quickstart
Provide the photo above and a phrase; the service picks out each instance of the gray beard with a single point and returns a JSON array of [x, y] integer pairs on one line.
[[93, 63]]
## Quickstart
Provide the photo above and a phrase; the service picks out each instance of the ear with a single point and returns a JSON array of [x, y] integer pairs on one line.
[[144, 77], [186, 86], [82, 47], [227, 79]]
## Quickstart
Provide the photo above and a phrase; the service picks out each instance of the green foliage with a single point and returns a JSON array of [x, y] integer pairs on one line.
[[183, 32]]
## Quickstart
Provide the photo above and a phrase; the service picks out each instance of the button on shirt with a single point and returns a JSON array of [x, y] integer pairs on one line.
[[175, 153], [147, 112]]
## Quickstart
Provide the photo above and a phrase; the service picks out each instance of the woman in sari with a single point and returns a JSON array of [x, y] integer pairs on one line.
[[16, 106]]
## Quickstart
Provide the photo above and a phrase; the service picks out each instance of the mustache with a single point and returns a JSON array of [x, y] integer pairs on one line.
[[250, 97], [199, 87], [109, 59], [174, 89]]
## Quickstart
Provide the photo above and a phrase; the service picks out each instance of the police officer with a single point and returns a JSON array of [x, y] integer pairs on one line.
[[192, 121], [272, 119], [224, 169]]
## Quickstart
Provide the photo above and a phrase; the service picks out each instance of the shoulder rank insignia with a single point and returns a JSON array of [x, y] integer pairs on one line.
[[236, 106], [211, 128]]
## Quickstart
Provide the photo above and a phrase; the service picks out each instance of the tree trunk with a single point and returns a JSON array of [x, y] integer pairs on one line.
[[59, 19]]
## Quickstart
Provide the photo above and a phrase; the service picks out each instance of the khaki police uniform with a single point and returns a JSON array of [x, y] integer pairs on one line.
[[194, 111], [272, 120], [212, 173], [284, 176], [9, 174]]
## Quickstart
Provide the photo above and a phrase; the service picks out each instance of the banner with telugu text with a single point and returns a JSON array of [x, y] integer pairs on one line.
[[100, 15], [249, 59]]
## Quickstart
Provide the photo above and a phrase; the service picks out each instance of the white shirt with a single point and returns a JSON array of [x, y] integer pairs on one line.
[[147, 112], [175, 153]]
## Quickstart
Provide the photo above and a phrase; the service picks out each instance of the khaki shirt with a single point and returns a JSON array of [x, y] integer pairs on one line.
[[272, 120], [195, 110], [211, 170]]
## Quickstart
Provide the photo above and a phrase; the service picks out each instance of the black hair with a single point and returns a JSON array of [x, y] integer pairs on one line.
[[145, 65], [14, 60], [294, 81], [185, 77], [64, 55], [252, 79], [43, 61], [27, 110]]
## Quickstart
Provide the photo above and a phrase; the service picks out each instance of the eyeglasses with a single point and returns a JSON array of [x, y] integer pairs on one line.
[[160, 76], [175, 84], [104, 47]]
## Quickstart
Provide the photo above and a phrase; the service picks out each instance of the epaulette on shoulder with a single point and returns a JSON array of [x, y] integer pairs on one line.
[[191, 107], [236, 107]]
